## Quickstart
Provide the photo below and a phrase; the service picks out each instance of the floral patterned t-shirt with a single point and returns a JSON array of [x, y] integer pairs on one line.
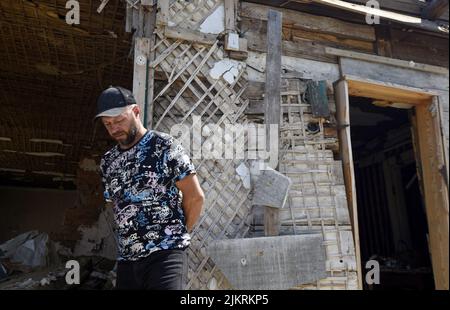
[[140, 181]]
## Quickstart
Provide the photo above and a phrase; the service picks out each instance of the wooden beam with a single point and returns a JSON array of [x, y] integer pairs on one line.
[[319, 24], [102, 6], [272, 100], [386, 61], [164, 11], [435, 9], [189, 35], [345, 144], [230, 16], [128, 18], [148, 2], [359, 87], [412, 21], [149, 28], [305, 49], [141, 55], [436, 192]]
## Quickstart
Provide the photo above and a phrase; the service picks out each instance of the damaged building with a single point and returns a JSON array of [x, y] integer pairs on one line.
[[358, 94]]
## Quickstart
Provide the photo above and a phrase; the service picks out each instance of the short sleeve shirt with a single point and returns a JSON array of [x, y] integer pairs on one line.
[[140, 181]]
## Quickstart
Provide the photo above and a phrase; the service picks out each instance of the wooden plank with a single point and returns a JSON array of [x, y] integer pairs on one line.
[[141, 54], [345, 143], [436, 191], [164, 12], [305, 49], [252, 263], [387, 61], [150, 24], [386, 91], [135, 19], [140, 29], [318, 99], [320, 24], [300, 35], [303, 68], [102, 6], [189, 35], [419, 47], [444, 121], [435, 9], [412, 21], [129, 18], [272, 100], [393, 74], [271, 189], [230, 16], [149, 21], [273, 68]]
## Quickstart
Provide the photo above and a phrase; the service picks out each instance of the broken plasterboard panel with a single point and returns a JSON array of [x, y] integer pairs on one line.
[[268, 263], [227, 68], [215, 23]]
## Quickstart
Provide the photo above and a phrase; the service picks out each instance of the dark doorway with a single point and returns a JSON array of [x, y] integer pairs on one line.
[[391, 210]]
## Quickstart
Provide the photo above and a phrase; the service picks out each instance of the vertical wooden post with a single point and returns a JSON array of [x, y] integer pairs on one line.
[[345, 145], [272, 101], [150, 24], [436, 191], [230, 18], [141, 54], [164, 9], [143, 76]]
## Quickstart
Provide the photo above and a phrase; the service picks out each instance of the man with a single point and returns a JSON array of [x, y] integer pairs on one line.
[[157, 197]]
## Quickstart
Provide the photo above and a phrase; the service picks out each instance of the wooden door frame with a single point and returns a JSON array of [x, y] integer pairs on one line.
[[433, 161]]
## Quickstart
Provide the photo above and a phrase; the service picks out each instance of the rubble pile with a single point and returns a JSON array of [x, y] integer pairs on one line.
[[31, 261]]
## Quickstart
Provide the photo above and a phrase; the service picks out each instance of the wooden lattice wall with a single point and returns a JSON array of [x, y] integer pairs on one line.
[[191, 91], [317, 202]]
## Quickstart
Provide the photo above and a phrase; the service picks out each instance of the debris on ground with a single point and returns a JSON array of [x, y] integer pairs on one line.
[[31, 261]]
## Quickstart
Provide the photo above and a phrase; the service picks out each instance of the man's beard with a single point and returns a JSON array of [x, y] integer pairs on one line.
[[130, 137]]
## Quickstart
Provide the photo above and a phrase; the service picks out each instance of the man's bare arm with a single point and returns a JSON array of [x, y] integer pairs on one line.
[[193, 199]]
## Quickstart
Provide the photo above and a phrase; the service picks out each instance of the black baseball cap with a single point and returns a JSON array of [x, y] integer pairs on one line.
[[113, 101]]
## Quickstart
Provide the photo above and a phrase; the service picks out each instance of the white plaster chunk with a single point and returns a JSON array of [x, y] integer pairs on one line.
[[215, 23], [227, 68], [244, 173]]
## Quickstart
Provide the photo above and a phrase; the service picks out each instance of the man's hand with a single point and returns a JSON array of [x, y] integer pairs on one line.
[[193, 199]]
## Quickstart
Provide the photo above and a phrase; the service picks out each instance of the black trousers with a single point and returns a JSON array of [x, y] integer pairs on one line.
[[161, 270]]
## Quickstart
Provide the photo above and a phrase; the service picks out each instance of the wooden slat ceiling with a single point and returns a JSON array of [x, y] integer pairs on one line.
[[50, 76]]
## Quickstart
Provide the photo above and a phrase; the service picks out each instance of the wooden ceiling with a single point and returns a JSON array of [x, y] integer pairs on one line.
[[51, 74]]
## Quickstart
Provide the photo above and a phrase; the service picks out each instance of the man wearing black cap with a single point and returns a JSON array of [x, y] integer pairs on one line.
[[143, 176]]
